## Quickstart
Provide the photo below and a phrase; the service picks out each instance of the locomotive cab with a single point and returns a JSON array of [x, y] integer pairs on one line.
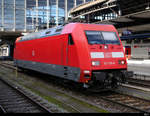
[[108, 62], [100, 55]]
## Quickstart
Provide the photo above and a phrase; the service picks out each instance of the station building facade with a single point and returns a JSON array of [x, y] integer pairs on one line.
[[28, 15]]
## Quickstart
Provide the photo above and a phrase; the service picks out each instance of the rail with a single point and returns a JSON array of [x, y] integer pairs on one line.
[[138, 104], [13, 100], [137, 82]]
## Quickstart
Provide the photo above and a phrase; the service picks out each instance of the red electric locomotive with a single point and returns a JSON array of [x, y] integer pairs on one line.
[[89, 54]]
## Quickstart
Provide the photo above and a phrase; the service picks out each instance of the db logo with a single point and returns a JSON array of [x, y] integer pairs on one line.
[[33, 53], [108, 55]]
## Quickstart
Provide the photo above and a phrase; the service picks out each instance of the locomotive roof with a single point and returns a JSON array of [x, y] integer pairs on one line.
[[54, 31], [43, 33], [71, 26]]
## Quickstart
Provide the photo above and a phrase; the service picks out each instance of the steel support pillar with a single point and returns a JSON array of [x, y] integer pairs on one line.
[[14, 28], [66, 10], [56, 12], [37, 12], [48, 16], [32, 19], [75, 3], [25, 15], [2, 29]]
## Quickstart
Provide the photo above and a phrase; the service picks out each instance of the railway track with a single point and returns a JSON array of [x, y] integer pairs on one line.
[[12, 100], [137, 82], [137, 104], [2, 109], [66, 104], [130, 102], [8, 65]]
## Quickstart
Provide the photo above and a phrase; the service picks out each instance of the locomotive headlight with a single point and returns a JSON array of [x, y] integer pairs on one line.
[[95, 63], [122, 62], [86, 72]]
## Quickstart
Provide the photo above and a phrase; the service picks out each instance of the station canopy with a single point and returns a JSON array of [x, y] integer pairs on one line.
[[136, 22], [134, 14], [86, 5]]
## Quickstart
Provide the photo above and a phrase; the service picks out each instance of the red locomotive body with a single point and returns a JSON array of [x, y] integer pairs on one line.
[[86, 53]]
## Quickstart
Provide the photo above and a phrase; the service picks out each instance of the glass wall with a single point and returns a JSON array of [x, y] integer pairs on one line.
[[79, 2], [20, 14], [0, 14], [53, 12], [88, 0], [61, 11], [70, 4], [29, 15], [42, 12], [9, 14]]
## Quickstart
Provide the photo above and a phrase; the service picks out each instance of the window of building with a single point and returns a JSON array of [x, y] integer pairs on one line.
[[0, 13], [79, 2], [129, 41], [88, 0], [146, 40]]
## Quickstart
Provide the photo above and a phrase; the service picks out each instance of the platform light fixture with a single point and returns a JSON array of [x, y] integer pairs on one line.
[[24, 33], [147, 8]]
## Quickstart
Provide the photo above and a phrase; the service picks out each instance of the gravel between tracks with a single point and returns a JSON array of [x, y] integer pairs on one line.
[[49, 89], [50, 93]]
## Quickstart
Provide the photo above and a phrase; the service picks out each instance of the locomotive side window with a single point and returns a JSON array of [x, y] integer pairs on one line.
[[99, 37], [58, 30], [70, 40], [48, 32]]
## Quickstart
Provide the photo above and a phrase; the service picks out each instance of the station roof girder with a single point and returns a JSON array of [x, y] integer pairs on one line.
[[86, 5], [134, 15], [136, 22], [92, 7], [8, 37]]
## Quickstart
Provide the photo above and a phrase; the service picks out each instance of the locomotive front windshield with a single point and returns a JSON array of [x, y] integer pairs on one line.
[[101, 37]]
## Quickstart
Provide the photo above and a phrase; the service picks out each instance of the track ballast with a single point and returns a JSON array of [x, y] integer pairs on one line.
[[14, 101]]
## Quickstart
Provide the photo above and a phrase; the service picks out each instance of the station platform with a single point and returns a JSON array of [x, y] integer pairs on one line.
[[141, 67]]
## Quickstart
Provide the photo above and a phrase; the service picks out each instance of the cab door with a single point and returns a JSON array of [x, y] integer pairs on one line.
[[64, 55], [64, 51]]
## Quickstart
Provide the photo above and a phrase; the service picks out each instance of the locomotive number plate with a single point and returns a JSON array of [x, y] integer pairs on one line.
[[109, 63], [108, 55]]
